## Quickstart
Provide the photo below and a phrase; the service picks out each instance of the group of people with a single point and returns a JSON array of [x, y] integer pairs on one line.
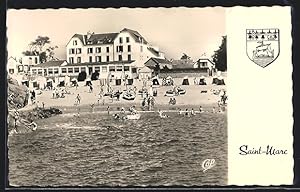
[[59, 93]]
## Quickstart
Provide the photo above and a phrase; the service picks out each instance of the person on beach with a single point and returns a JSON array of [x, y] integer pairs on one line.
[[53, 93], [161, 115], [91, 88], [78, 98]]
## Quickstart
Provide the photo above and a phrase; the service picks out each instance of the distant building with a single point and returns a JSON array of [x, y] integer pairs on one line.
[[12, 65], [204, 63]]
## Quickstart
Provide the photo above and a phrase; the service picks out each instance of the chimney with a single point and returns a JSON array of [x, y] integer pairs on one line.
[[89, 34]]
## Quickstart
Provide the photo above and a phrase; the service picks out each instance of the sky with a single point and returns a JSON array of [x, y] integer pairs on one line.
[[175, 31]]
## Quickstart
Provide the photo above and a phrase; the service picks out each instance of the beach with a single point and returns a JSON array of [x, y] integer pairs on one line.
[[195, 96]]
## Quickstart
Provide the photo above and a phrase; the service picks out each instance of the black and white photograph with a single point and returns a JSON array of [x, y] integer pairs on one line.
[[117, 97]]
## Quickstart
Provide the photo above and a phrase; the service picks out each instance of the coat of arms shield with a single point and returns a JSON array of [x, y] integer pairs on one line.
[[262, 45]]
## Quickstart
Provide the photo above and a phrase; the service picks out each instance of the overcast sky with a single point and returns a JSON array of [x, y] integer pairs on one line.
[[175, 31]]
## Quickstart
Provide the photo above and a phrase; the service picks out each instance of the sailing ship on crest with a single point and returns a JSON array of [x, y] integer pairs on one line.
[[263, 51]]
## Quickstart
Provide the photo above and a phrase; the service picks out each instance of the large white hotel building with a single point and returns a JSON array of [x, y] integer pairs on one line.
[[112, 54]]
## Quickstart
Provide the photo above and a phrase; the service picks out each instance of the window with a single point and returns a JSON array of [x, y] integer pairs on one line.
[[72, 51], [126, 68], [119, 68], [45, 71], [98, 49], [133, 70], [129, 48], [82, 69], [127, 39], [120, 57], [104, 69], [34, 71], [40, 71], [129, 57], [112, 68], [30, 60], [141, 48], [76, 69], [63, 70], [70, 70], [50, 71], [107, 49], [91, 59], [97, 69], [11, 71], [120, 40], [98, 58], [75, 42], [107, 58], [120, 48], [78, 59], [71, 60], [35, 60], [55, 70], [90, 50], [78, 50]]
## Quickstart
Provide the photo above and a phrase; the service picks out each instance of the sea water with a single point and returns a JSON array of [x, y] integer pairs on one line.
[[96, 150]]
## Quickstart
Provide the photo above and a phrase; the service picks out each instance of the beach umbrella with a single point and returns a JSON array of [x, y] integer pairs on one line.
[[185, 81]]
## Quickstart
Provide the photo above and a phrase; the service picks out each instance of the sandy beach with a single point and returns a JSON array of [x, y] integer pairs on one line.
[[195, 96]]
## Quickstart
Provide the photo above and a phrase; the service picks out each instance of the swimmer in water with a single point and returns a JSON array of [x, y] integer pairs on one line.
[[201, 109], [33, 125], [193, 112], [213, 110]]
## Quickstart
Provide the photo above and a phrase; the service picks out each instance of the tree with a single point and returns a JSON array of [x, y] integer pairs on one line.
[[220, 56], [38, 47], [185, 57]]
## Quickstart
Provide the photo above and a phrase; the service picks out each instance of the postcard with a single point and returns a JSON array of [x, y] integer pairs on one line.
[[155, 97]]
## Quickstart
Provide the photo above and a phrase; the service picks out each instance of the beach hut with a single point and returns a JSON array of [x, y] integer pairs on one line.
[[220, 81], [215, 80], [25, 82], [74, 82], [61, 83], [88, 82], [202, 80], [155, 81], [35, 84], [49, 83], [185, 81]]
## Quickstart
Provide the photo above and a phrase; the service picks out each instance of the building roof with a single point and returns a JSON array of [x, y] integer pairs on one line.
[[98, 63], [51, 63], [107, 38], [199, 60], [100, 39], [136, 35], [183, 66], [152, 50]]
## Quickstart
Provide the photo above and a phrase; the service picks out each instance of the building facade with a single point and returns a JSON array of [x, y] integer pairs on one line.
[[126, 51]]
